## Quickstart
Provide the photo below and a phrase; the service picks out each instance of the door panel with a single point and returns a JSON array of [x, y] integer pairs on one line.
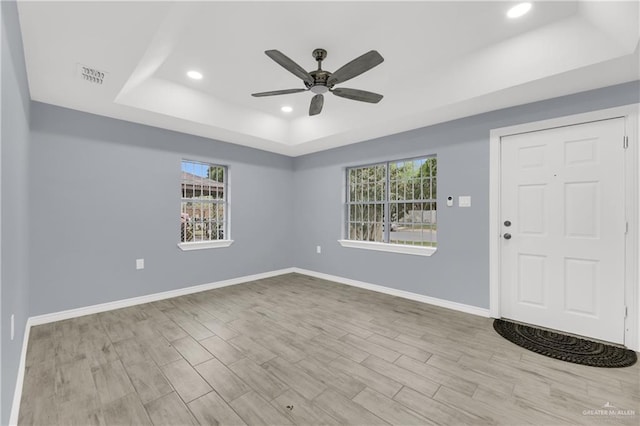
[[532, 279], [581, 285], [531, 208], [581, 209], [563, 192]]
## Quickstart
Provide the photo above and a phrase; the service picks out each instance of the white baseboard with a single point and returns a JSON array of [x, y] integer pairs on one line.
[[109, 306], [17, 393], [103, 307], [474, 310]]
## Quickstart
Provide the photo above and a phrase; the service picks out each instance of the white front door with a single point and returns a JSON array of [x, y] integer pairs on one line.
[[562, 190]]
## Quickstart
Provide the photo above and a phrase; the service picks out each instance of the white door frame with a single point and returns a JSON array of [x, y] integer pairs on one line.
[[631, 114]]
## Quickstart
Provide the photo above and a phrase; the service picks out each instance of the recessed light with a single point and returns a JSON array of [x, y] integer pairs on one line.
[[194, 75], [286, 109], [519, 10]]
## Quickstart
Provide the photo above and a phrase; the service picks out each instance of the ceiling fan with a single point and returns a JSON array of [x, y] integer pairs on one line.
[[321, 81]]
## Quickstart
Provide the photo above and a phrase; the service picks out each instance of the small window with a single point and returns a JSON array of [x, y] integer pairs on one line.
[[393, 202], [203, 211]]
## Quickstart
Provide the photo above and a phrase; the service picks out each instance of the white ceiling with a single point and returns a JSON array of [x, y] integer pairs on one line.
[[443, 60]]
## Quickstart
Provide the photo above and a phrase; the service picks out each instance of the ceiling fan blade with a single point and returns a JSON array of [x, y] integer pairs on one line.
[[358, 95], [316, 104], [289, 65], [356, 67], [278, 92]]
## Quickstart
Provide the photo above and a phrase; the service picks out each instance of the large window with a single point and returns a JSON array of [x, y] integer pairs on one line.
[[203, 211], [393, 202]]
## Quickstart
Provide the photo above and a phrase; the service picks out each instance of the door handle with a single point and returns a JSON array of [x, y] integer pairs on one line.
[[507, 236]]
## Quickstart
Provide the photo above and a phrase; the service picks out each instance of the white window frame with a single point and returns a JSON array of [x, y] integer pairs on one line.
[[383, 246], [209, 244]]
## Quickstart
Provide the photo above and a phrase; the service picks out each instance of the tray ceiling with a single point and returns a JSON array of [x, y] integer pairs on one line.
[[443, 60]]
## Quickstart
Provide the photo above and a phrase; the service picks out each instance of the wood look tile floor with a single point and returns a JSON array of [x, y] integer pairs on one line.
[[296, 350]]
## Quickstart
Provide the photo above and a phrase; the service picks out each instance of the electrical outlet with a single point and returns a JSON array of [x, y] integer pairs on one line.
[[13, 326], [139, 263], [318, 249]]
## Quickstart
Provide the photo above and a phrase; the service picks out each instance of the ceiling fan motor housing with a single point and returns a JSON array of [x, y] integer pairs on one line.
[[320, 78]]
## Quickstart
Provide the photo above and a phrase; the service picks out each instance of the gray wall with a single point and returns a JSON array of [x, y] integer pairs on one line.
[[105, 192], [14, 147], [459, 270]]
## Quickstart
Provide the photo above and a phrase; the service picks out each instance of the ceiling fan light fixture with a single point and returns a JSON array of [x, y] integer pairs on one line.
[[194, 75], [319, 89], [519, 10]]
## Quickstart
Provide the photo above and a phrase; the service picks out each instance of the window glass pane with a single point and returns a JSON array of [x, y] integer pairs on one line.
[[203, 203], [409, 201], [434, 188], [433, 166], [215, 173], [381, 187], [352, 185], [415, 187]]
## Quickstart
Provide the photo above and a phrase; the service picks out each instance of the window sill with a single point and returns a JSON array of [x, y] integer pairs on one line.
[[204, 245], [392, 248]]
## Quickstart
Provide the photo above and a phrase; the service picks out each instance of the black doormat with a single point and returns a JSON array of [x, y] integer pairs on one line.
[[563, 347]]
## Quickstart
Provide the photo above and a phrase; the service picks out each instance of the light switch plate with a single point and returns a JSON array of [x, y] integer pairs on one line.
[[464, 201], [139, 263]]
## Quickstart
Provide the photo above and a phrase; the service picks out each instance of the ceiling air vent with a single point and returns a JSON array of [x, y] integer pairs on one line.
[[91, 75]]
